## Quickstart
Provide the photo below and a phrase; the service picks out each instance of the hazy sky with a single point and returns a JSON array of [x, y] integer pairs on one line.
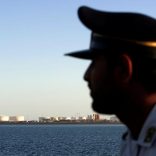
[[35, 78]]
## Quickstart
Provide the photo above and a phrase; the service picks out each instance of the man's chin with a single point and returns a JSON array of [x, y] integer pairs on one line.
[[102, 109]]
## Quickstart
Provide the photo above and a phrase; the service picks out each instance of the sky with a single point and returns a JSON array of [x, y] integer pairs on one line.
[[36, 79]]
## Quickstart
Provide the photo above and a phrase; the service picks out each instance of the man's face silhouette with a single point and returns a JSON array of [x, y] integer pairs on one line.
[[100, 84]]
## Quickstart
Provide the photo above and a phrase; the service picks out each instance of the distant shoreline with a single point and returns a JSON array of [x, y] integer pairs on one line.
[[61, 122]]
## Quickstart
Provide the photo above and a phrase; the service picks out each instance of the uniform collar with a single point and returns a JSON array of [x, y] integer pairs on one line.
[[148, 132]]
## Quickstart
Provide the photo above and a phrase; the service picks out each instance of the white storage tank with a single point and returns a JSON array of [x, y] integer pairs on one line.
[[20, 118], [4, 118]]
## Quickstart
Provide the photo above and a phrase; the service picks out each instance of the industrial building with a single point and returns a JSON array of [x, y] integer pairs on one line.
[[16, 118]]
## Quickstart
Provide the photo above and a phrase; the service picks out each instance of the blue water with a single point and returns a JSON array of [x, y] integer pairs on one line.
[[60, 140]]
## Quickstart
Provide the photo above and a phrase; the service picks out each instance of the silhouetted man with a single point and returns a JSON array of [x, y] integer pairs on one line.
[[122, 73]]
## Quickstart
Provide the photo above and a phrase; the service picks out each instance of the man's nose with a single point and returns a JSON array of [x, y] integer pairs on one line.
[[87, 74]]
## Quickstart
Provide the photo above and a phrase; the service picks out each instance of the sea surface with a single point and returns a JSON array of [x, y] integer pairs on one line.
[[60, 140]]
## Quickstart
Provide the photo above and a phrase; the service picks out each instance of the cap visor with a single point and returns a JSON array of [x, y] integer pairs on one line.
[[84, 54]]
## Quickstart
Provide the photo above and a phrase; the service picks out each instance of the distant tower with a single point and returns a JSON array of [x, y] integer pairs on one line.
[[96, 117]]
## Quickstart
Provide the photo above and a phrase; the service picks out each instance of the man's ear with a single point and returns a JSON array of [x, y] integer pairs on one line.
[[124, 69]]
